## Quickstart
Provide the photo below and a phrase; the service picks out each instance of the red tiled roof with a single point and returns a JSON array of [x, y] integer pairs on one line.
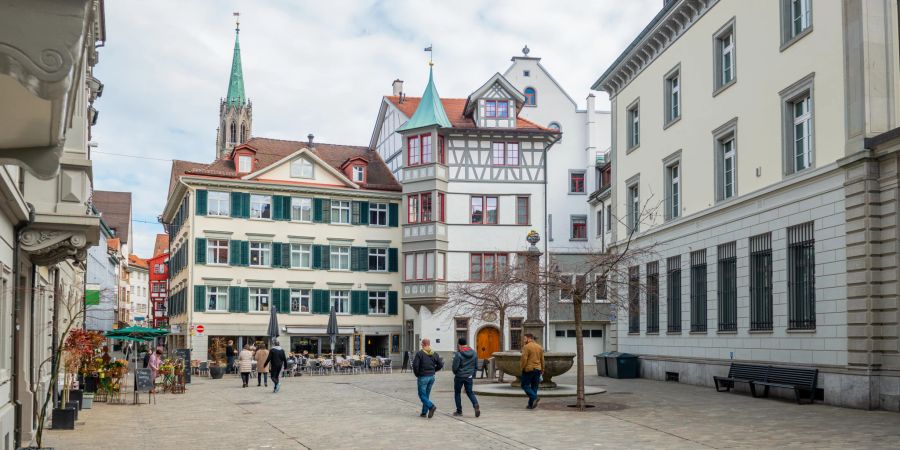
[[161, 245], [113, 244], [269, 151], [454, 107], [115, 209], [134, 260]]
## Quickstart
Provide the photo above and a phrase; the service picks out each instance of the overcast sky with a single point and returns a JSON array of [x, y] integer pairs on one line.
[[316, 67]]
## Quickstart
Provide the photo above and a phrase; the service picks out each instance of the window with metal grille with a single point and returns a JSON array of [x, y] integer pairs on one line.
[[727, 286], [634, 297], [761, 282], [653, 297], [515, 333], [801, 277], [462, 328], [673, 294], [698, 291]]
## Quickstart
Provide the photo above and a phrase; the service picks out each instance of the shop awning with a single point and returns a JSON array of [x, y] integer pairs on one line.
[[316, 331]]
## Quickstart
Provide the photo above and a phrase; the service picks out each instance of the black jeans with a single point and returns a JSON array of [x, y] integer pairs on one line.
[[260, 376], [245, 376], [458, 385], [230, 367], [275, 373]]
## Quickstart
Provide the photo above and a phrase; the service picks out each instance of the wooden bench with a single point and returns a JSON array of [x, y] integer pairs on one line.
[[798, 379], [741, 373]]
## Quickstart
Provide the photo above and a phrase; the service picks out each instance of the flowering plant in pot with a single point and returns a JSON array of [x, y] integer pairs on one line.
[[217, 364]]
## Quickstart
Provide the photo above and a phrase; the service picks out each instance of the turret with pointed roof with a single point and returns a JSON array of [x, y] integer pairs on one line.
[[430, 111], [235, 110]]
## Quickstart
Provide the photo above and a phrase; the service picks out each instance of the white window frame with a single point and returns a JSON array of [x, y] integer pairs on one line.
[[299, 251], [216, 244], [729, 168], [633, 113], [359, 174], [633, 199], [302, 168], [260, 297], [725, 57], [380, 299], [340, 300], [794, 13], [302, 298], [801, 92], [380, 253], [245, 164], [673, 189], [304, 207], [804, 121], [264, 253], [340, 209], [376, 210], [672, 89], [218, 203], [339, 254], [257, 206], [220, 295]]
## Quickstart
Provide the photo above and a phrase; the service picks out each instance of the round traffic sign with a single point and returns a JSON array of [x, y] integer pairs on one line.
[[200, 328]]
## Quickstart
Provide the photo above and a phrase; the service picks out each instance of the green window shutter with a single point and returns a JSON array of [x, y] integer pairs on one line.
[[234, 253], [316, 256], [393, 265], [199, 298], [363, 213], [354, 213], [245, 299], [393, 215], [355, 304], [202, 202], [276, 299], [200, 251], [234, 298], [357, 262], [236, 200], [286, 206], [276, 254], [285, 301], [277, 208], [286, 255], [392, 303], [314, 303], [245, 205], [245, 253], [326, 257], [317, 210]]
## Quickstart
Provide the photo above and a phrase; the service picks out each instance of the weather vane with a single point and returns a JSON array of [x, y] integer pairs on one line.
[[237, 21], [430, 54]]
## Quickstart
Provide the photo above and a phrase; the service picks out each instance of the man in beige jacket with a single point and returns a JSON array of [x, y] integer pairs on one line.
[[532, 365]]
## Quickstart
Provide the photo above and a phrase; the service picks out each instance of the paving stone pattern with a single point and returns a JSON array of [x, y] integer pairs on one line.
[[382, 411]]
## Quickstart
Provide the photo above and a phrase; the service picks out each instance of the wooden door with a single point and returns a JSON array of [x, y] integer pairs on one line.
[[488, 342]]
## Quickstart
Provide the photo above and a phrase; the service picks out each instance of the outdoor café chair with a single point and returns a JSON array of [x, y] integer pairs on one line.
[[203, 368], [386, 366]]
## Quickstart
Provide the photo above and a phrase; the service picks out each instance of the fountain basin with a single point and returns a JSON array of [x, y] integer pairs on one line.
[[555, 363]]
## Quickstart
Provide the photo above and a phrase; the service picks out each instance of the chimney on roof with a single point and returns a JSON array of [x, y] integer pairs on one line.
[[398, 88], [309, 140]]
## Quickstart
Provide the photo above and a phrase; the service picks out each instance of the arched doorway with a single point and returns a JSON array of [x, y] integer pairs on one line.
[[487, 342]]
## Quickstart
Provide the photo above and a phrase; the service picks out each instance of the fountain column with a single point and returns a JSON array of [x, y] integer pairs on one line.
[[533, 323]]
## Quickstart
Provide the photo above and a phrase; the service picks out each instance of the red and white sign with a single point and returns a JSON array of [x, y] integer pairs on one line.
[[200, 329]]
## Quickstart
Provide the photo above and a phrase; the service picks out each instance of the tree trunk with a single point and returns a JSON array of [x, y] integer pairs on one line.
[[579, 350], [502, 314]]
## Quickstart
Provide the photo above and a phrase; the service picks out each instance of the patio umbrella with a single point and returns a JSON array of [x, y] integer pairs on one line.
[[332, 329], [137, 334], [273, 323]]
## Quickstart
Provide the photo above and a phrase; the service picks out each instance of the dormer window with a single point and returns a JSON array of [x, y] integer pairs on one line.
[[496, 109], [359, 174], [530, 97], [301, 168], [245, 164]]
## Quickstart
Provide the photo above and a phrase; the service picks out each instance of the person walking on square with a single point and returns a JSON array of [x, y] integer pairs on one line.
[[154, 363], [245, 364], [465, 363], [532, 365], [229, 356], [275, 362], [262, 373], [425, 364]]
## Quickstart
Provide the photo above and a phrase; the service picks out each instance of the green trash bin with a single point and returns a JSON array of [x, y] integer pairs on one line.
[[624, 365], [612, 368], [601, 364]]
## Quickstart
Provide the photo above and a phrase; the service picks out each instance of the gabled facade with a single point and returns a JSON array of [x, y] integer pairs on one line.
[[282, 224], [158, 283], [474, 170], [138, 292], [774, 186]]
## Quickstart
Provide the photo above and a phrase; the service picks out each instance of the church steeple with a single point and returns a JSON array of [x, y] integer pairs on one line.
[[235, 110], [430, 111]]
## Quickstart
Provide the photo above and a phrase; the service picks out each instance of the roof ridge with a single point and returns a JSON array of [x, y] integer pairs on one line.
[[307, 144]]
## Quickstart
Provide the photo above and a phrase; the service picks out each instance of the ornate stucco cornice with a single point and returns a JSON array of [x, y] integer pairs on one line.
[[669, 24], [48, 247]]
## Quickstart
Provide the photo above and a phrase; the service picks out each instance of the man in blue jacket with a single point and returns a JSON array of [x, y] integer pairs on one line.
[[465, 364]]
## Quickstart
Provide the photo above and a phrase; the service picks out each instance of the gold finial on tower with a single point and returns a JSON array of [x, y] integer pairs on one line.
[[430, 54]]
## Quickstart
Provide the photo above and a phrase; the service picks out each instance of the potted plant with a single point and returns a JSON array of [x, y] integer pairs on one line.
[[217, 358]]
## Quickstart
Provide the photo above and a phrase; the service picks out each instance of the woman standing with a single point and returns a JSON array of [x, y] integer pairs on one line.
[[154, 363], [245, 363], [262, 372]]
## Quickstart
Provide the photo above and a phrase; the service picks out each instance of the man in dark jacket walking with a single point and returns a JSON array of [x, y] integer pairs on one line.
[[465, 364], [229, 356], [424, 366], [275, 362]]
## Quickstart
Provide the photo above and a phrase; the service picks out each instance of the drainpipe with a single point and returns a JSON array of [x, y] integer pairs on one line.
[[17, 315]]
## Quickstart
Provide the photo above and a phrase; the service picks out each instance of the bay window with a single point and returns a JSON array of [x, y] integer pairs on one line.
[[428, 265]]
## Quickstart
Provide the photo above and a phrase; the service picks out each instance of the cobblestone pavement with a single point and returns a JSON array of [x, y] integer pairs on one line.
[[382, 411]]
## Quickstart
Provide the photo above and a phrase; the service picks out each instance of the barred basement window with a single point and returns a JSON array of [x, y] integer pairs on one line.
[[634, 299], [801, 277], [761, 282], [727, 283], [653, 297], [673, 294], [515, 333], [698, 291]]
